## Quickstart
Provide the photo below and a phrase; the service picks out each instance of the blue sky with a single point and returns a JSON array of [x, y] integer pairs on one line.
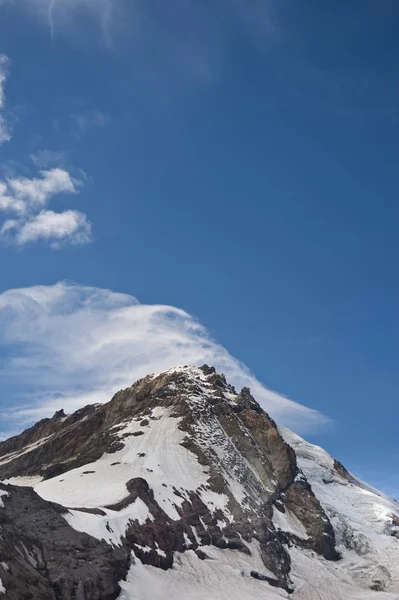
[[237, 160]]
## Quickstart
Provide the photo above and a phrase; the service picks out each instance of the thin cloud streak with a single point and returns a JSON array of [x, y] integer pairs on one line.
[[83, 123], [63, 14], [182, 38], [5, 134], [79, 345], [50, 17], [49, 158]]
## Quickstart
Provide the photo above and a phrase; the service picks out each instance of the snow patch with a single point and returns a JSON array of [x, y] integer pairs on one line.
[[112, 526], [6, 458], [28, 481], [3, 494], [289, 523]]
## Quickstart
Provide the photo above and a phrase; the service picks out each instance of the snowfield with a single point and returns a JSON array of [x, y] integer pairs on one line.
[[157, 456], [224, 576]]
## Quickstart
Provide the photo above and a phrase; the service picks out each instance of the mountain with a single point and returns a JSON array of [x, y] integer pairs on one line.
[[182, 488]]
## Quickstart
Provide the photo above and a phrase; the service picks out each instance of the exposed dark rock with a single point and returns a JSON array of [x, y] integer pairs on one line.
[[300, 499], [208, 370], [342, 472], [59, 414], [48, 560], [202, 555], [261, 577]]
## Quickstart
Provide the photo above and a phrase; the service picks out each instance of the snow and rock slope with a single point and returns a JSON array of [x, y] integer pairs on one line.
[[197, 494]]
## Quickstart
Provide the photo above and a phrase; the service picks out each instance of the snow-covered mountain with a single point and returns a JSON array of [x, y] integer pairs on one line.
[[182, 488]]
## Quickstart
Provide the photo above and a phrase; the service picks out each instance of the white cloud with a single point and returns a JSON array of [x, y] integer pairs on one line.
[[79, 345], [37, 191], [8, 203], [26, 198], [5, 134], [68, 227]]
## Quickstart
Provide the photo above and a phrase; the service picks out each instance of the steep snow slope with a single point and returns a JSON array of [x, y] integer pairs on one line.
[[198, 483], [365, 521], [155, 455]]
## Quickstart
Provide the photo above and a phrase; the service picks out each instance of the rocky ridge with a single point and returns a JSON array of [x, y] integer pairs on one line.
[[179, 464]]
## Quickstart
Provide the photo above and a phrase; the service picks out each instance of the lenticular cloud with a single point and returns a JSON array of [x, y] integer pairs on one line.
[[67, 345]]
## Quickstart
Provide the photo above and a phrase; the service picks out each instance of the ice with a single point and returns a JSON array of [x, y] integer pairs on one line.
[[360, 516], [225, 576]]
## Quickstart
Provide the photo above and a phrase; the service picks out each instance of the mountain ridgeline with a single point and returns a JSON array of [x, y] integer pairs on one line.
[[180, 487]]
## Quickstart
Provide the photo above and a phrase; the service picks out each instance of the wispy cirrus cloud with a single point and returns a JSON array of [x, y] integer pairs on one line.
[[84, 122], [61, 14], [79, 345], [259, 15], [26, 200], [182, 37], [5, 133], [48, 158]]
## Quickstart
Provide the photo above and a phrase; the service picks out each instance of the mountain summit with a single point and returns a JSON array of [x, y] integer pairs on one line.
[[182, 488]]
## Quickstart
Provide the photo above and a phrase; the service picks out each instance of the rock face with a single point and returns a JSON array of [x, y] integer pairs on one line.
[[41, 556], [177, 465]]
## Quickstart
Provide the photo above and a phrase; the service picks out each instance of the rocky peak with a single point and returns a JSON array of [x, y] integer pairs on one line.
[[59, 414], [244, 469], [179, 463]]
